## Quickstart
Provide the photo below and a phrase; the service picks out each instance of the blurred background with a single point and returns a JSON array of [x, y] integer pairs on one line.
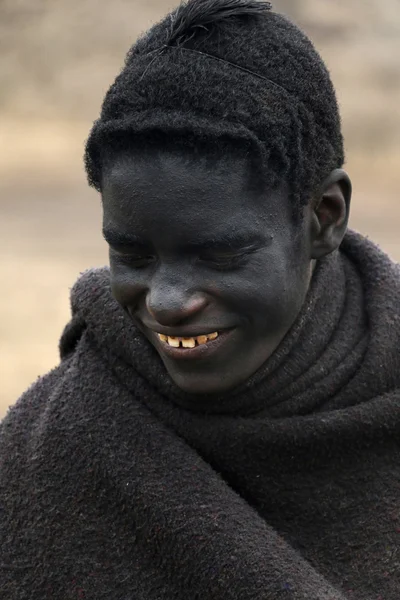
[[58, 58]]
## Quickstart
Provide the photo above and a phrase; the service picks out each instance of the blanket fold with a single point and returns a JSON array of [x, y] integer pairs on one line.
[[115, 484]]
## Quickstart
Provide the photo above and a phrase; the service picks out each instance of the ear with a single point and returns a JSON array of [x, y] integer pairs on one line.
[[330, 214]]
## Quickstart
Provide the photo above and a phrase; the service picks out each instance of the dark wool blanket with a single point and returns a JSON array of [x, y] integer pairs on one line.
[[116, 485]]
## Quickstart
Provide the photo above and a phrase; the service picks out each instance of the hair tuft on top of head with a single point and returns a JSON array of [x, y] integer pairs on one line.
[[197, 14]]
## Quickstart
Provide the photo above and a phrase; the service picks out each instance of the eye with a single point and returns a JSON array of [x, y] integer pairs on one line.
[[135, 260], [224, 261]]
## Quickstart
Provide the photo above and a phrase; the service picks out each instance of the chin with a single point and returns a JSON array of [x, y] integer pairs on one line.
[[203, 386]]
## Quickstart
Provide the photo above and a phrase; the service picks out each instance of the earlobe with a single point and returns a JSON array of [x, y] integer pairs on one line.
[[330, 214]]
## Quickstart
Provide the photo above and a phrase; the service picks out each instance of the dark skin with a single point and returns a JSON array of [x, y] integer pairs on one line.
[[197, 247]]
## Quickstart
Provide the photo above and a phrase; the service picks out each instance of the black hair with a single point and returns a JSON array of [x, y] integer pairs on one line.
[[226, 71]]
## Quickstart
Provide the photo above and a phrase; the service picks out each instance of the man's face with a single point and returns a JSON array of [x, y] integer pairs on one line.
[[211, 268]]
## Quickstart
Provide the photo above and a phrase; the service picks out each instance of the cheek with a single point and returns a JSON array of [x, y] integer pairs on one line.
[[126, 289], [272, 289]]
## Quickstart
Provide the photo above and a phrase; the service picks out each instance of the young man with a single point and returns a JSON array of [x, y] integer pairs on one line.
[[225, 419]]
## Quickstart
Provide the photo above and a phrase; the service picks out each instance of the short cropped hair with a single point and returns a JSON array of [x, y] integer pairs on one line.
[[221, 72]]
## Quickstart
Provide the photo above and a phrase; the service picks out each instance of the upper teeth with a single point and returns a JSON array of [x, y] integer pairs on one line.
[[175, 342]]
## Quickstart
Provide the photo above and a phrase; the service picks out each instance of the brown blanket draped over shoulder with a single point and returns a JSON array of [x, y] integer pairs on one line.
[[116, 485]]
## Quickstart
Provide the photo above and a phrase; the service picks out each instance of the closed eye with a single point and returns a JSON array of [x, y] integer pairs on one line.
[[226, 260], [133, 259]]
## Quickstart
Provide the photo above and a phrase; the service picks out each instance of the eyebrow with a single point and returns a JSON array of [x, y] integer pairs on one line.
[[228, 240], [224, 240], [117, 238]]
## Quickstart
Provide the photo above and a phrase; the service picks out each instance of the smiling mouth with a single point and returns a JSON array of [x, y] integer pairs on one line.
[[187, 342]]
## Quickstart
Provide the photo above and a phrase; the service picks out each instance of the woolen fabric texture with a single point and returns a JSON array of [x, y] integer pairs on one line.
[[115, 484]]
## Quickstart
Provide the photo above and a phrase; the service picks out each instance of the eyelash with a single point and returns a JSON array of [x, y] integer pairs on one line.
[[226, 263], [137, 261], [220, 264]]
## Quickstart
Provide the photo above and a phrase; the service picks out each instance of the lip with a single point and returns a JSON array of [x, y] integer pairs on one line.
[[201, 351]]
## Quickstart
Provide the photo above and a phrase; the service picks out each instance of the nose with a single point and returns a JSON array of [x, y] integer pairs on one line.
[[171, 303]]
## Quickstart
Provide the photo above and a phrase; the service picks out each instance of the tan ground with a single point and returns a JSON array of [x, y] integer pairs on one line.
[[50, 220]]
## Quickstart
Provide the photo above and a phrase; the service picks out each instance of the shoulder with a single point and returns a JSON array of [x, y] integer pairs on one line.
[[29, 407], [23, 433], [24, 420], [23, 416]]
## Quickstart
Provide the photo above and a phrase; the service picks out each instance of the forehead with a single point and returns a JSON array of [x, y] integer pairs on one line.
[[188, 188]]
